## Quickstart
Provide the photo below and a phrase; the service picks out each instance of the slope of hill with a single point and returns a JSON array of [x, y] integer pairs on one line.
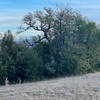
[[85, 87]]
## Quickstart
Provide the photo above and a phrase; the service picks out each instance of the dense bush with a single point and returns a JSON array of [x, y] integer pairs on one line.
[[69, 45]]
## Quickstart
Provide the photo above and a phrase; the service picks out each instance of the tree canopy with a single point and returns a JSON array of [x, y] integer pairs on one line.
[[69, 44]]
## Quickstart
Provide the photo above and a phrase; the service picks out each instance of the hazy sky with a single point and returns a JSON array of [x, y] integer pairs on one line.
[[12, 11]]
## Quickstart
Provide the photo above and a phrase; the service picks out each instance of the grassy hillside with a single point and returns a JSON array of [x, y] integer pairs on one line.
[[85, 87]]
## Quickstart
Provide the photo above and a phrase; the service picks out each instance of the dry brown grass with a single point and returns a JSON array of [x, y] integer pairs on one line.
[[85, 87]]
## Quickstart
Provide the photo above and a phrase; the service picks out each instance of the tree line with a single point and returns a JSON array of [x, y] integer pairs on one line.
[[69, 44]]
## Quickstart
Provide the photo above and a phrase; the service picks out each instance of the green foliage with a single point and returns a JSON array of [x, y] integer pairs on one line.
[[70, 46]]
